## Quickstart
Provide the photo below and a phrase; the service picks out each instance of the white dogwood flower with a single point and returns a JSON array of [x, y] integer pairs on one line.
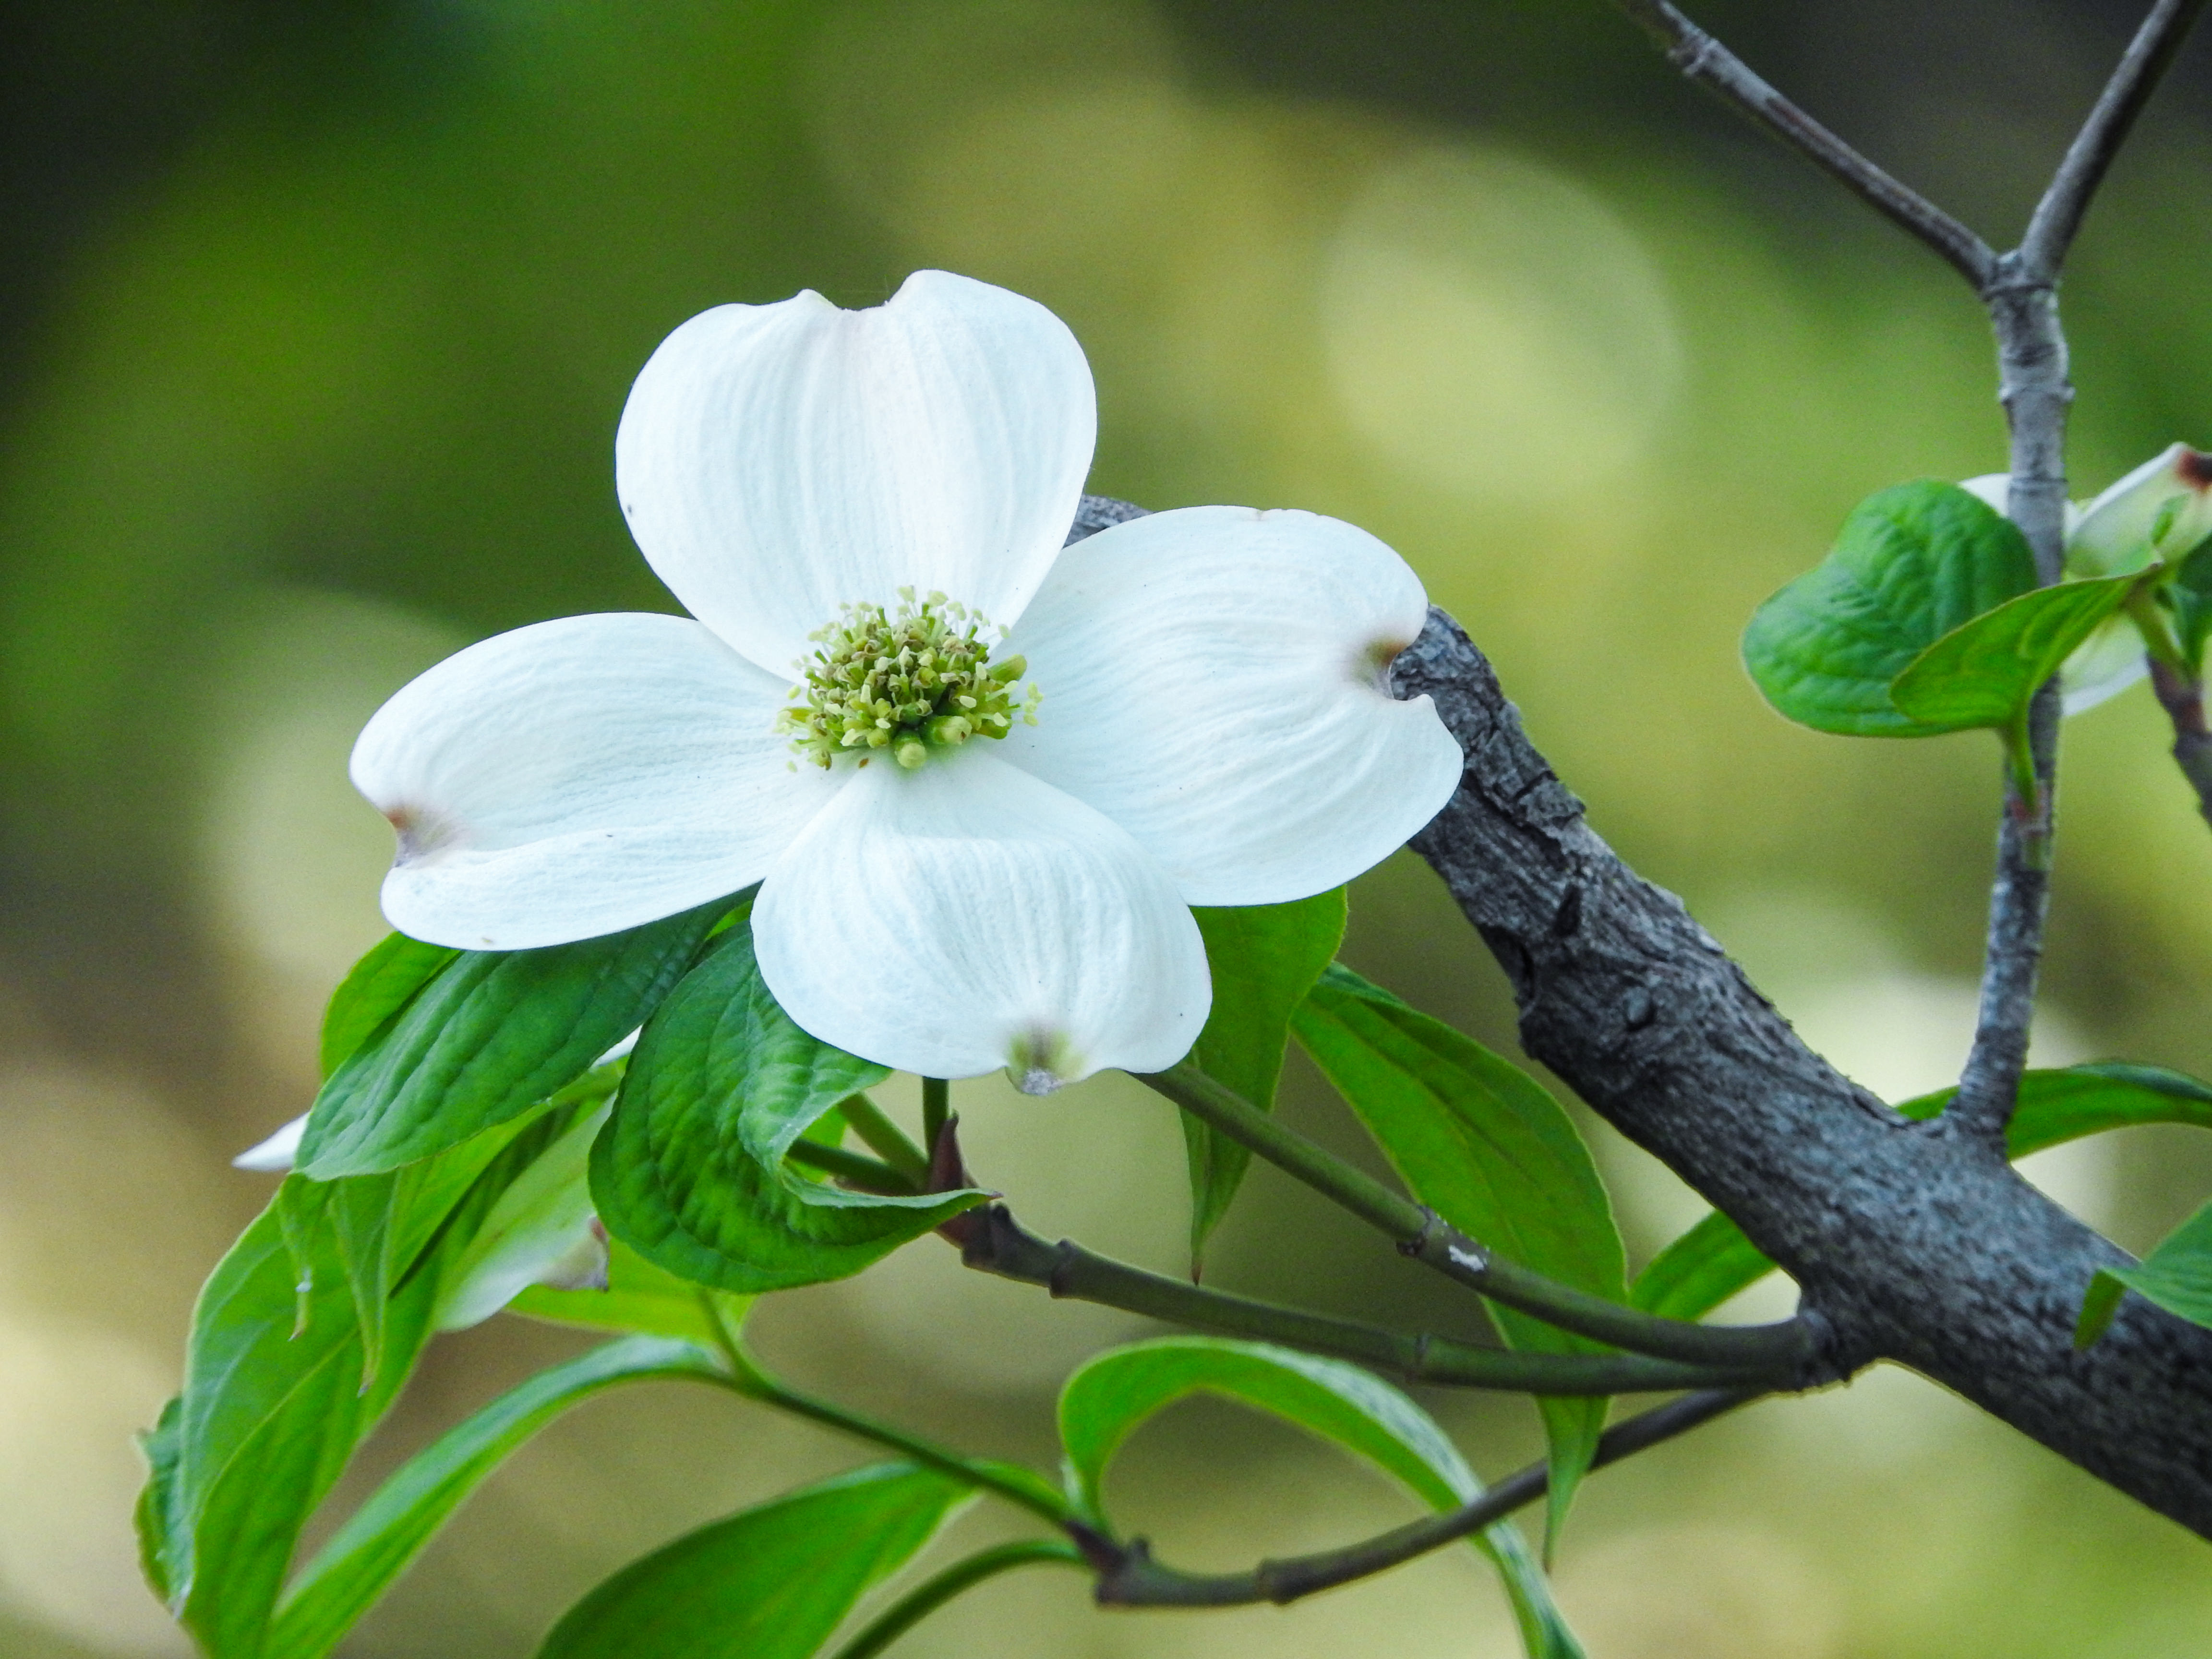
[[864, 510], [2161, 510]]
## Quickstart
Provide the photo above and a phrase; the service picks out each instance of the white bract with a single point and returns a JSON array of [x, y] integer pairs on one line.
[[2160, 511], [980, 779]]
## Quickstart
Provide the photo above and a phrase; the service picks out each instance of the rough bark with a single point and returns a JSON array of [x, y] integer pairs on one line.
[[1911, 1245]]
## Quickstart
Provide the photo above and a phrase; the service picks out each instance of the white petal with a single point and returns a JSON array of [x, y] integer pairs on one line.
[[779, 462], [277, 1153], [1212, 682], [2103, 666], [964, 916], [581, 776], [2116, 533], [540, 1232]]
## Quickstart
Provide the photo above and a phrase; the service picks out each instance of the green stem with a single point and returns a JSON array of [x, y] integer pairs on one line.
[[748, 1379], [2156, 626], [1419, 1232], [918, 1603], [936, 1107], [995, 1242], [868, 1174], [885, 1139]]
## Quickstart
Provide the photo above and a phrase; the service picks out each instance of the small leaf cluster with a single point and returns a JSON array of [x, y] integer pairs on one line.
[[1926, 619]]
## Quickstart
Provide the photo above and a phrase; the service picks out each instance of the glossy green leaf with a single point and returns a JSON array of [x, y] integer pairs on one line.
[[1984, 673], [1113, 1395], [1482, 1145], [377, 1226], [543, 1220], [1910, 564], [277, 1391], [267, 1420], [2176, 1276], [2058, 1106], [1699, 1270], [639, 1298], [689, 1172], [492, 1036], [1714, 1260], [381, 984], [2190, 593], [1264, 959], [771, 1582], [375, 1545]]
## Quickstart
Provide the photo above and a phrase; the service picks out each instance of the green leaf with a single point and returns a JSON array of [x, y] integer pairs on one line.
[[2190, 593], [266, 1422], [769, 1583], [1264, 959], [381, 983], [386, 1533], [1912, 563], [1699, 1270], [1111, 1396], [1714, 1260], [378, 1224], [2059, 1106], [689, 1172], [541, 1220], [639, 1298], [1984, 673], [492, 1036], [1482, 1145], [277, 1391], [2176, 1276], [164, 1535]]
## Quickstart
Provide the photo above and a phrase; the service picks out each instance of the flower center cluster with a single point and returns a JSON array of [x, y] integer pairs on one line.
[[914, 682]]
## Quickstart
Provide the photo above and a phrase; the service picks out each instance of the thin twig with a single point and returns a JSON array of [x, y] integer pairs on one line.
[[2058, 216], [745, 1376], [2036, 392], [1784, 1348], [992, 1242], [1137, 1580], [2184, 701], [2019, 903], [1706, 61]]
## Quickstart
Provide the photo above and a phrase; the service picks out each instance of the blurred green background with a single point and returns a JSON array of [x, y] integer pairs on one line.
[[319, 318]]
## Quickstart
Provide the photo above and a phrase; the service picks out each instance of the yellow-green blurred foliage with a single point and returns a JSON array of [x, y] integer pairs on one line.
[[334, 392]]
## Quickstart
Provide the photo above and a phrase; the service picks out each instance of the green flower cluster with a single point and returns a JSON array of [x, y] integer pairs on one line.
[[913, 682]]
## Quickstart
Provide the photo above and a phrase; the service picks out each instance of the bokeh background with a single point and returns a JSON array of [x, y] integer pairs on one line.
[[317, 319]]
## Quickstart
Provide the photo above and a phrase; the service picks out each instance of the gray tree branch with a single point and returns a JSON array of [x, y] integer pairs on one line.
[[1910, 1243], [1713, 65], [2059, 216]]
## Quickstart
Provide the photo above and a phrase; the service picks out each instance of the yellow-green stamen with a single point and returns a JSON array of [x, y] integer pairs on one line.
[[918, 681]]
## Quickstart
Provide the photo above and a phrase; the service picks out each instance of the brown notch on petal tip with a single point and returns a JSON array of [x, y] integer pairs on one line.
[[423, 833], [2196, 468], [1378, 656]]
